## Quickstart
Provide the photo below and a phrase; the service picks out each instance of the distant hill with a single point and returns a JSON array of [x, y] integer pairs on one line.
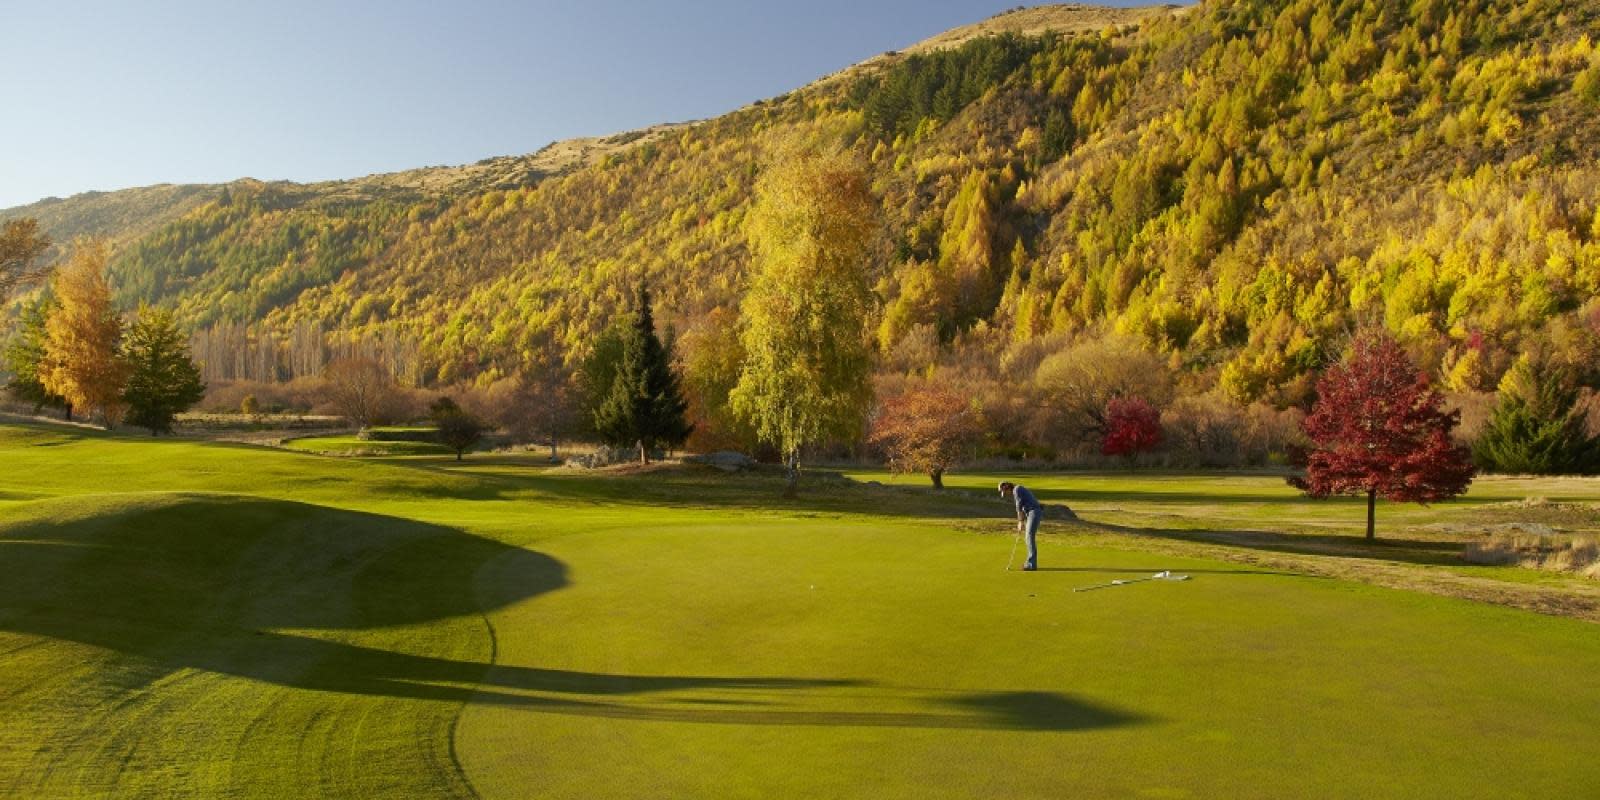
[[1233, 184]]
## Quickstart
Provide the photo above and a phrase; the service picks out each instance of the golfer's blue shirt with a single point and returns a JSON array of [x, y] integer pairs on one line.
[[1025, 500]]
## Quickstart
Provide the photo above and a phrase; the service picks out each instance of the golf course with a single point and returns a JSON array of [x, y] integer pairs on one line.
[[195, 619]]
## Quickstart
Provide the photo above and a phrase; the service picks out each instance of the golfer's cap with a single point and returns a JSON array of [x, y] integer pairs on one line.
[[1004, 484]]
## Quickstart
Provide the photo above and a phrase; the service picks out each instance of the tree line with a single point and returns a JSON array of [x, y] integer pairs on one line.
[[76, 353]]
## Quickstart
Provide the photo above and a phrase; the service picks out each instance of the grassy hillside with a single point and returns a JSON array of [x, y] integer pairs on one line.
[[184, 619], [1234, 184]]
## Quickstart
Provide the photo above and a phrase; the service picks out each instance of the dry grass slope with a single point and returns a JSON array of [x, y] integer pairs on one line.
[[1036, 21]]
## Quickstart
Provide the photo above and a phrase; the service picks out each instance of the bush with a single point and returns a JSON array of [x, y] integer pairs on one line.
[[300, 396]]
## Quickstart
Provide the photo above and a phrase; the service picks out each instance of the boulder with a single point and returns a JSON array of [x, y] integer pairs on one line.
[[725, 460]]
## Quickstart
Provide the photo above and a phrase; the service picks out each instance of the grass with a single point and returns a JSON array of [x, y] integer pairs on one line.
[[191, 619], [351, 445]]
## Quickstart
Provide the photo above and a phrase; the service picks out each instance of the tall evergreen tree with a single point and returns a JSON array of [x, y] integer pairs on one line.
[[645, 406], [162, 378], [1538, 426], [23, 355]]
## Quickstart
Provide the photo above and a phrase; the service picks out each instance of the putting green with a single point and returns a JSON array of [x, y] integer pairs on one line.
[[183, 619]]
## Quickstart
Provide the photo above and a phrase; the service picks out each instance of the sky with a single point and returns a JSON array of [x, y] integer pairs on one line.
[[108, 95]]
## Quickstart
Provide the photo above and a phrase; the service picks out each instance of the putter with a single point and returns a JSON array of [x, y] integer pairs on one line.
[[1014, 543], [1164, 575]]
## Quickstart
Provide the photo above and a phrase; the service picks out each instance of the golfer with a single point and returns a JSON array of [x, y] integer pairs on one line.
[[1028, 513]]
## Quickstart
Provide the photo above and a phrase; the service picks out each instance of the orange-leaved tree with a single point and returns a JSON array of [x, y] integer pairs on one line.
[[81, 361], [926, 430]]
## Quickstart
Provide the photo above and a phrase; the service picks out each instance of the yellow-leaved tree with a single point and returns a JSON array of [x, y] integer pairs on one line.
[[81, 361], [808, 360]]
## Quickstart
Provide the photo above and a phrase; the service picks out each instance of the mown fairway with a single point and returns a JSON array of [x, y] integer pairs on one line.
[[184, 619]]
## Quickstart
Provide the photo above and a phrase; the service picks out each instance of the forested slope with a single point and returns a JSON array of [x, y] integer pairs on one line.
[[1233, 184]]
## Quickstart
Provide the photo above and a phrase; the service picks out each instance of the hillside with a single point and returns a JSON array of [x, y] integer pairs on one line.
[[1233, 185]]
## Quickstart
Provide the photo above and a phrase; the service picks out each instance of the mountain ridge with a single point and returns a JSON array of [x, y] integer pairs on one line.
[[1233, 185]]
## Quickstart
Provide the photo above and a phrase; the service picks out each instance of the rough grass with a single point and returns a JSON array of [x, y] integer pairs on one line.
[[189, 619], [1547, 551]]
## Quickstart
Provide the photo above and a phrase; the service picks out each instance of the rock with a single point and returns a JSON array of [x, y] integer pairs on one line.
[[725, 460]]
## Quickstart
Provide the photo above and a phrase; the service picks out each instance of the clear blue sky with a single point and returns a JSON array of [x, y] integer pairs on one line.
[[106, 95]]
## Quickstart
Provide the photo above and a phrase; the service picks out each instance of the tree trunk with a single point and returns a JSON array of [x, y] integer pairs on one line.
[[69, 412], [938, 477], [1372, 506], [644, 455], [792, 488], [553, 456], [458, 454]]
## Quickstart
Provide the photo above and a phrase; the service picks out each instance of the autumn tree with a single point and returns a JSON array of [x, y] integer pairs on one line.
[[458, 429], [1377, 429], [24, 355], [926, 430], [21, 245], [808, 360], [361, 389], [81, 361], [1076, 386], [711, 356], [1133, 426], [1538, 425], [645, 406], [542, 406], [162, 378]]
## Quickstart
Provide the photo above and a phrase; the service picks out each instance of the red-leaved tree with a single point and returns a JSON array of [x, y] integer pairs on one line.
[[1377, 429], [926, 430], [1133, 426]]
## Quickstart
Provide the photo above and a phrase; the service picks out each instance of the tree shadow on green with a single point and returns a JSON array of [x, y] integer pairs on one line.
[[318, 599]]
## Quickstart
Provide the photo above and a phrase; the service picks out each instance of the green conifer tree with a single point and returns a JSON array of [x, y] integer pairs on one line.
[[162, 379], [1538, 427], [23, 355], [645, 406]]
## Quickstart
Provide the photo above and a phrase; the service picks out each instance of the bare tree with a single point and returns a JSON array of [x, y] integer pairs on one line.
[[21, 245], [362, 389]]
